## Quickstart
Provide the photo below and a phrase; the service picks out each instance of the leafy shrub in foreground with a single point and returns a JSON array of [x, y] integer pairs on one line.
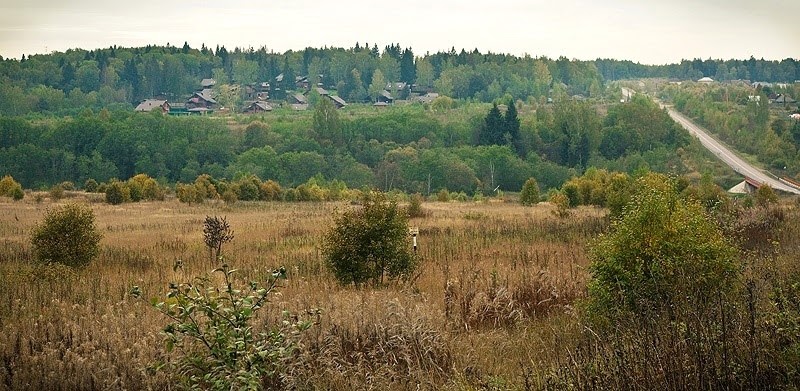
[[212, 332], [67, 235], [370, 242], [663, 252]]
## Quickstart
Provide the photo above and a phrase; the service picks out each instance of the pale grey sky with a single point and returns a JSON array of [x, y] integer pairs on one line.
[[647, 31]]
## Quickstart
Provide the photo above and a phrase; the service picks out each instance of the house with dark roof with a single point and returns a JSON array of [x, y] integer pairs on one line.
[[298, 99], [201, 100], [148, 105], [337, 101], [207, 83], [385, 97], [257, 107], [782, 99]]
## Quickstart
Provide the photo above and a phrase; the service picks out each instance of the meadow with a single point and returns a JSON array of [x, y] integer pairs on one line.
[[493, 305], [485, 305]]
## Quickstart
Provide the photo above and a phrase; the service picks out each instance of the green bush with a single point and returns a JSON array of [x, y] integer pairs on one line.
[[11, 188], [90, 186], [117, 193], [530, 193], [56, 193], [213, 332], [663, 252], [369, 242], [67, 235], [415, 209]]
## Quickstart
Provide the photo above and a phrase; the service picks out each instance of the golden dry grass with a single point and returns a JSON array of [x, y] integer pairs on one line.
[[491, 303]]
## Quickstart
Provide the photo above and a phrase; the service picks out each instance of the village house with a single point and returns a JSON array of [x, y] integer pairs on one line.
[[148, 105], [337, 101], [385, 97], [257, 107], [201, 101]]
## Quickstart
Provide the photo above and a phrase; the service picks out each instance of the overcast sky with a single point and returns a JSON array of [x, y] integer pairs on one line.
[[646, 31]]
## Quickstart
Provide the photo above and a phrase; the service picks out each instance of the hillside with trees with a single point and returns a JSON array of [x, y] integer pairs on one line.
[[464, 121]]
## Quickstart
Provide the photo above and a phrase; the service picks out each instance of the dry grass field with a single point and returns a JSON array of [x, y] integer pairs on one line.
[[490, 306]]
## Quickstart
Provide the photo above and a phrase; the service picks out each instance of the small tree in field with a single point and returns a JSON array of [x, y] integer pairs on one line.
[[368, 243], [67, 235], [216, 232], [530, 193]]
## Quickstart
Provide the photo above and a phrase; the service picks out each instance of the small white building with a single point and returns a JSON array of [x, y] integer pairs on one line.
[[706, 80]]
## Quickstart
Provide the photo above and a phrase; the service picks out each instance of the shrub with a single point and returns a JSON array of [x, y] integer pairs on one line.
[[229, 196], [11, 188], [443, 196], [66, 185], [17, 193], [530, 192], [90, 186], [271, 191], [117, 193], [216, 232], [187, 193], [765, 196], [213, 333], [143, 187], [561, 202], [56, 193], [67, 235], [415, 209], [369, 242], [663, 252]]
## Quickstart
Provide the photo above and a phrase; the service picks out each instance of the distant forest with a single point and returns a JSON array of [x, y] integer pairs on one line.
[[121, 77]]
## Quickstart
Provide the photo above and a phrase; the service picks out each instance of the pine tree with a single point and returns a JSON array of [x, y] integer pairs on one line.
[[491, 132], [511, 128], [408, 71]]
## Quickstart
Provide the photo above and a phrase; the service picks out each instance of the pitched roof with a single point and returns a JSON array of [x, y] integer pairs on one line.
[[338, 100], [205, 83], [300, 98], [206, 94], [322, 91], [259, 105], [150, 104], [387, 95]]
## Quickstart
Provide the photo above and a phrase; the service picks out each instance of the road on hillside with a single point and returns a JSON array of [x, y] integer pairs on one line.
[[723, 153], [727, 156]]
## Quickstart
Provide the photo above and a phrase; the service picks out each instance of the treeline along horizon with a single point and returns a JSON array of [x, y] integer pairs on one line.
[[68, 81]]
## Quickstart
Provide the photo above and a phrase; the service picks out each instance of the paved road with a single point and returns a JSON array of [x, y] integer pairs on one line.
[[727, 156], [723, 153]]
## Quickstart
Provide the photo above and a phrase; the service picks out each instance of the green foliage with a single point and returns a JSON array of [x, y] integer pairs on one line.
[[56, 193], [369, 243], [561, 202], [11, 188], [415, 209], [664, 251], [90, 186], [213, 331], [327, 125], [530, 193], [765, 196], [117, 192], [67, 235]]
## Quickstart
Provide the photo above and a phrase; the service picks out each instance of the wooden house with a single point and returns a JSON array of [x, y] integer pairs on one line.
[[148, 105], [201, 100], [257, 107]]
